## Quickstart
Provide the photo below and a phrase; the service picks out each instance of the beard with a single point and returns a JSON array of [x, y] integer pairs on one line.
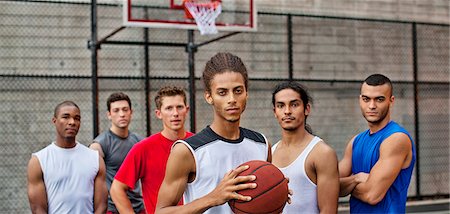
[[383, 115]]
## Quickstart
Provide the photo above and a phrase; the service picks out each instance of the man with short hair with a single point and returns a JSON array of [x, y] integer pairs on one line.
[[66, 176], [147, 160], [377, 165], [113, 146]]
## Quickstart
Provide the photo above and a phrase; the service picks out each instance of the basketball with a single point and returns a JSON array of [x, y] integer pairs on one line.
[[270, 194]]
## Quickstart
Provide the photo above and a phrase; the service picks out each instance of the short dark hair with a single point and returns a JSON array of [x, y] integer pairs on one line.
[[117, 97], [168, 91], [64, 103], [301, 90], [378, 79], [221, 63]]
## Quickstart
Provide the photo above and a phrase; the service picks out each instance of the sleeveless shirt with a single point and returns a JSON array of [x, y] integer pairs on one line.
[[215, 156], [366, 152], [69, 176], [115, 149], [304, 199]]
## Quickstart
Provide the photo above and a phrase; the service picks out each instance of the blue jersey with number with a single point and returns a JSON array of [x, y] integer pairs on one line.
[[366, 152]]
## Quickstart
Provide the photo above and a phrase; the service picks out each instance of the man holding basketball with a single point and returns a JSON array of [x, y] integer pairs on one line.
[[203, 167], [113, 146], [147, 160], [377, 165], [309, 163], [66, 176]]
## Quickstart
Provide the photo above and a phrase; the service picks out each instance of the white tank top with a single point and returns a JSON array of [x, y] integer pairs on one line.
[[304, 198], [214, 156], [69, 176]]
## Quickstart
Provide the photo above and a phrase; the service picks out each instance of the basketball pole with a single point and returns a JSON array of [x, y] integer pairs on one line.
[[191, 49]]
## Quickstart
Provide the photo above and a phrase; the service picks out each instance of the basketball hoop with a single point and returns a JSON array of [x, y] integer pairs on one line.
[[205, 13]]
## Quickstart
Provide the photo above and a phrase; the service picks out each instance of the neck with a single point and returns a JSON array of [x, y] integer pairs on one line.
[[375, 127], [121, 132], [173, 135], [296, 137], [66, 142], [226, 129]]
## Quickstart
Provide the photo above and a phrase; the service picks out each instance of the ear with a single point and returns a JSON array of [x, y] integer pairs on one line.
[[392, 100], [53, 120], [208, 98], [187, 108], [308, 109], [108, 114], [158, 113]]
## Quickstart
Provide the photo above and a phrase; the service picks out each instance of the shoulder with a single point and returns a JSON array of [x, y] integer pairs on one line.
[[136, 137], [202, 138], [102, 137], [253, 135], [323, 148]]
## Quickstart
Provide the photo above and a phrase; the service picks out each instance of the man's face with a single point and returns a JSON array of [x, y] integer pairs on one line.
[[173, 112], [375, 102], [67, 122], [289, 110], [120, 114], [228, 96]]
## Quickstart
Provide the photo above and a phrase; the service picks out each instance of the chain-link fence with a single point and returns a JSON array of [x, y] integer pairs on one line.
[[44, 60]]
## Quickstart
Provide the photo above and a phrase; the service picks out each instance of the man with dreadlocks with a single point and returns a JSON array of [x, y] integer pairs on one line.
[[203, 167]]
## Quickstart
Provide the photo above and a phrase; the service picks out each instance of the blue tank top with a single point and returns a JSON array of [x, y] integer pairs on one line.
[[366, 152]]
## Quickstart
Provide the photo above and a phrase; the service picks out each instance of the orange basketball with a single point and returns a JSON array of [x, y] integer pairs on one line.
[[270, 194]]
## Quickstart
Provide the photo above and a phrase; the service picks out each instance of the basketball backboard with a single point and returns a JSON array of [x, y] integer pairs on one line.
[[236, 15]]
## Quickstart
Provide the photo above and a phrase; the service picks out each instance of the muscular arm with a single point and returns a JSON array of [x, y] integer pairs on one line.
[[180, 165], [118, 193], [347, 181], [395, 154], [100, 189], [37, 194], [326, 165]]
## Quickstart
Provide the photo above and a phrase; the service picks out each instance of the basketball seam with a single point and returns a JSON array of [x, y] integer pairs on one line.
[[264, 191]]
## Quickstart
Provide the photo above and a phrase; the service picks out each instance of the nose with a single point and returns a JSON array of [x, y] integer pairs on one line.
[[287, 110], [71, 121], [372, 104], [232, 98]]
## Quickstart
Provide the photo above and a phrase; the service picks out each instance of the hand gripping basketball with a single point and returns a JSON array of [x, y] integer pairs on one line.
[[270, 194]]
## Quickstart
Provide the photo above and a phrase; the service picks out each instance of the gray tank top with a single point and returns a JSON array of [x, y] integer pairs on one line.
[[115, 150]]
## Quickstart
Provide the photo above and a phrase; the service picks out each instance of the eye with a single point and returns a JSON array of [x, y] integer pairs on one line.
[[365, 99], [180, 107], [222, 93], [381, 99], [295, 104], [239, 91], [280, 105], [115, 110]]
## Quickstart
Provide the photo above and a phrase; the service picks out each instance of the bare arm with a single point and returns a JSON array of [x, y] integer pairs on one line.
[[269, 153], [395, 154], [347, 181], [100, 189], [96, 146], [37, 194], [118, 193], [180, 166], [326, 165]]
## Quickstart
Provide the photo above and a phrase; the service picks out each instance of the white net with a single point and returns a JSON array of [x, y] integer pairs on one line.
[[205, 15]]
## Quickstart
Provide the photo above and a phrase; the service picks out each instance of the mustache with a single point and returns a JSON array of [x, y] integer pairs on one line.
[[287, 118]]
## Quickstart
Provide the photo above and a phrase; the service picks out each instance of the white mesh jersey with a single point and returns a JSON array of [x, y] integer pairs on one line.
[[214, 156], [69, 176], [304, 198]]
